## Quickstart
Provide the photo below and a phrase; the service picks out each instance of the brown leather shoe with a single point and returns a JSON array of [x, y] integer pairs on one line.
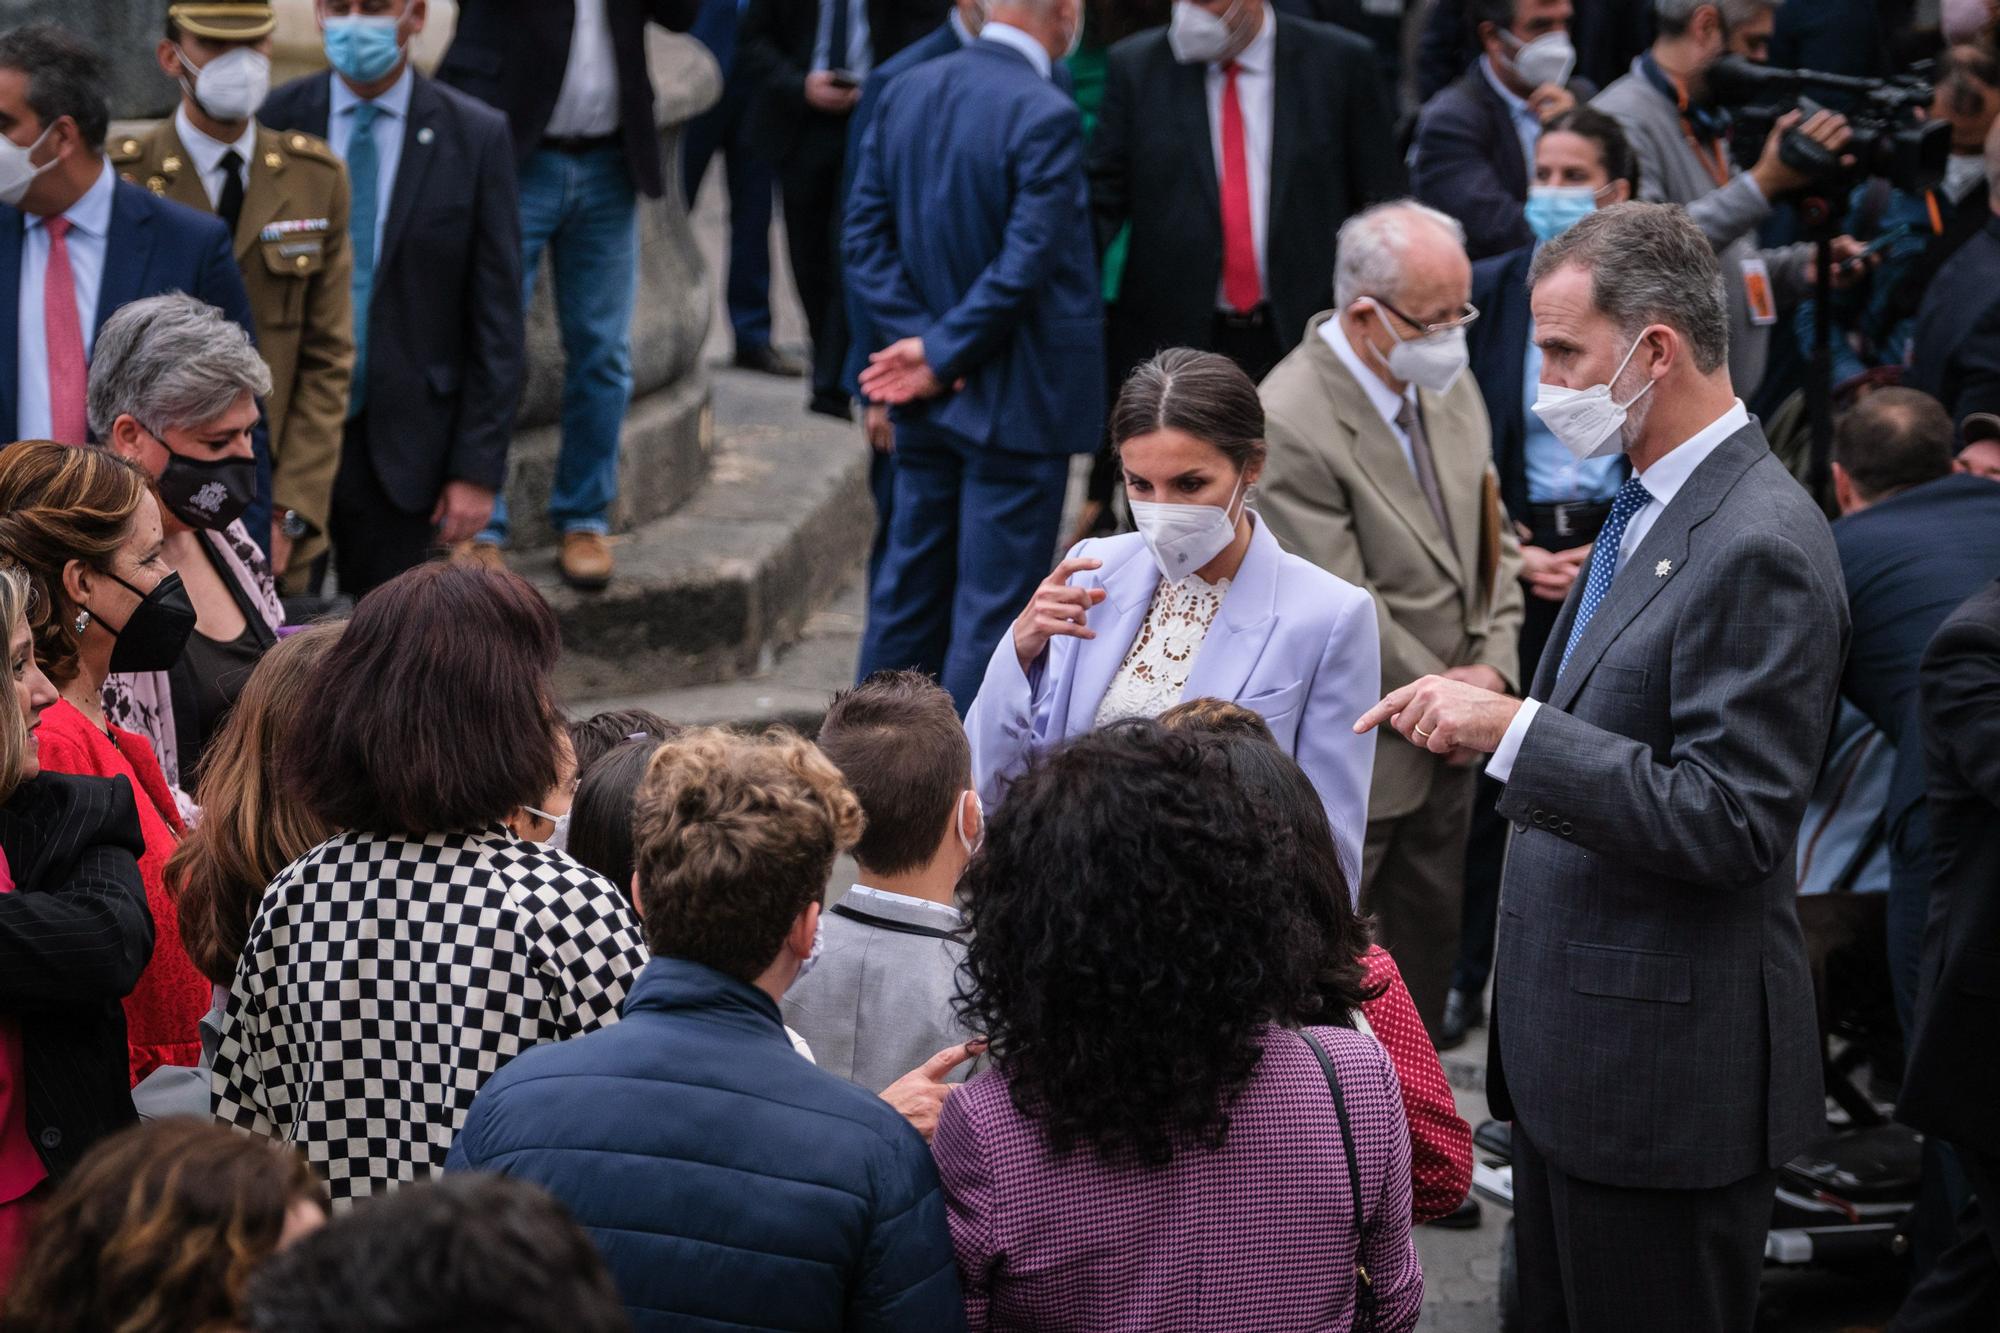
[[486, 555], [586, 560]]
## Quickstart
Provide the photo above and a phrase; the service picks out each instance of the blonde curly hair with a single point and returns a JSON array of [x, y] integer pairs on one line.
[[735, 836]]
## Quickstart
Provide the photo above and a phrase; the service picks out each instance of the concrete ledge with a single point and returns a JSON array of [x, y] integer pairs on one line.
[[711, 592]]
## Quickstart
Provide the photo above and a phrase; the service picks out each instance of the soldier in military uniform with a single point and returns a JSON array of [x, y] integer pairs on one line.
[[285, 198]]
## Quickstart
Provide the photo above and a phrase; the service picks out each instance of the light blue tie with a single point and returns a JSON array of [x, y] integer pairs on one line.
[[362, 169], [1631, 498]]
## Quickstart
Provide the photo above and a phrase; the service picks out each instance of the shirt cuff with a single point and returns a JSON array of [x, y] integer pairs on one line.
[[1501, 765]]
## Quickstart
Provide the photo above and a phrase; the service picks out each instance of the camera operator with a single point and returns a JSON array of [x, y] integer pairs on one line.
[[1679, 137]]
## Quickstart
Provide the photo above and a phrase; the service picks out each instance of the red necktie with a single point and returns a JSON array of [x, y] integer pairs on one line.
[[1240, 285], [62, 332]]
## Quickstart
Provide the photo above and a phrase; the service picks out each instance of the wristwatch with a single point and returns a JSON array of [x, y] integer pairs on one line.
[[293, 524]]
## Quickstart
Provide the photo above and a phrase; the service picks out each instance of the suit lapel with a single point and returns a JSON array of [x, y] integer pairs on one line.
[[184, 185], [1188, 87], [13, 232], [265, 198], [128, 250], [1242, 626], [1128, 591], [1661, 555], [418, 135], [1287, 87]]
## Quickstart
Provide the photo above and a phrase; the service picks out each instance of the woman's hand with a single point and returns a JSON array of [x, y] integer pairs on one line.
[[1056, 608]]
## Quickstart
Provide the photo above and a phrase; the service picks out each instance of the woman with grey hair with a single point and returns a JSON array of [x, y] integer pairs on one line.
[[174, 388]]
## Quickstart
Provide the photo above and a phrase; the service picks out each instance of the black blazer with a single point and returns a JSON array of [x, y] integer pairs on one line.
[[511, 54], [1152, 164], [1953, 1077], [74, 937], [1955, 354], [445, 333], [774, 51]]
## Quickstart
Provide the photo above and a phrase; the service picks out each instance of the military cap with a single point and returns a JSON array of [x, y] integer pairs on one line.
[[225, 20]]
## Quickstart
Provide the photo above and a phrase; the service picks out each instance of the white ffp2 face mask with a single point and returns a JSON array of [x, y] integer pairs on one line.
[[1432, 362], [1587, 421], [1185, 537], [17, 169], [1196, 36], [232, 86], [1546, 60]]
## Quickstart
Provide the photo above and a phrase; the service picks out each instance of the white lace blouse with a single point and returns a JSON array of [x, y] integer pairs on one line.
[[1156, 668]]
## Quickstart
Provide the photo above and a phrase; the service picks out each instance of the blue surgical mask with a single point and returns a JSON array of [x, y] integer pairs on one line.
[[363, 47], [1554, 209]]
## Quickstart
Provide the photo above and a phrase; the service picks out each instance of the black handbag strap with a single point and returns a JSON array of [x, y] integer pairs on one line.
[[884, 923], [1364, 1286]]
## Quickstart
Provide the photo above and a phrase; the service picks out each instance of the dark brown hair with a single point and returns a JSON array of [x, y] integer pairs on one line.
[[897, 740], [734, 838], [434, 712], [1891, 440], [252, 824], [158, 1230], [600, 816], [1217, 717], [59, 503], [601, 733], [1202, 394]]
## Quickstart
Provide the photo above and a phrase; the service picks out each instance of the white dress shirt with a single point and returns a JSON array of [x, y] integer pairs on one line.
[[858, 57], [1387, 402], [1256, 73], [387, 132], [206, 153], [1527, 125], [89, 234], [1008, 35], [947, 917], [587, 106], [1663, 480]]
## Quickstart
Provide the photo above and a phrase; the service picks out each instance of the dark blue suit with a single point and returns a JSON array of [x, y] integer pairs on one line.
[[969, 227], [154, 247], [1909, 561], [1498, 343], [723, 128]]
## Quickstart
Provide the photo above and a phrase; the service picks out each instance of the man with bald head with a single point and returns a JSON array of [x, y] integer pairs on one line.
[[1381, 471], [1653, 1036]]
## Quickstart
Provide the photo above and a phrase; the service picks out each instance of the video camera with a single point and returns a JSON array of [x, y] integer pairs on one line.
[[1890, 139]]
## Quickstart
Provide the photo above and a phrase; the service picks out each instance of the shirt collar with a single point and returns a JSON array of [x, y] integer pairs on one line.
[[395, 102], [966, 37], [1387, 401], [902, 906], [206, 152], [1517, 106], [1010, 36], [1257, 57], [91, 213], [1669, 473]]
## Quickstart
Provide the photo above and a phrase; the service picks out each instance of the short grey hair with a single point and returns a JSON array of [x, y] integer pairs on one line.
[[1371, 246], [1648, 264], [1674, 15], [172, 362]]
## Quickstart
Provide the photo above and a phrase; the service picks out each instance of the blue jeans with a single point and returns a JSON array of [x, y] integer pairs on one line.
[[973, 531], [581, 207]]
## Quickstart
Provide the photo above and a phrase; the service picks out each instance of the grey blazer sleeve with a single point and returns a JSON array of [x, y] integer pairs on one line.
[[1746, 703]]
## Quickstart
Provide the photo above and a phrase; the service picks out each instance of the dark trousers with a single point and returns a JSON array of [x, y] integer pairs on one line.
[[1612, 1259], [810, 179], [1486, 844], [1962, 1290], [882, 489], [972, 532], [721, 130], [374, 538], [1412, 883]]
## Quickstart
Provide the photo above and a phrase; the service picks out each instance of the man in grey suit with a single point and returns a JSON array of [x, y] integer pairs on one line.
[[1676, 133], [1653, 1034], [878, 1003]]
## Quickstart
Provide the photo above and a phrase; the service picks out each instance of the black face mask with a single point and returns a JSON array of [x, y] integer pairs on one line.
[[210, 494], [156, 632]]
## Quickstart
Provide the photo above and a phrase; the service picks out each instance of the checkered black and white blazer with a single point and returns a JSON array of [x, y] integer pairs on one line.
[[386, 978]]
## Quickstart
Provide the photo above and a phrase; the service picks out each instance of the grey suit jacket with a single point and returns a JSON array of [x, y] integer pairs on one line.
[[1670, 172], [878, 1003], [1653, 1014]]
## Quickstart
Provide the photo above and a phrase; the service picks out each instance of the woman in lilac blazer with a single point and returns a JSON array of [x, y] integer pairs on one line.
[[1201, 601], [1156, 1145]]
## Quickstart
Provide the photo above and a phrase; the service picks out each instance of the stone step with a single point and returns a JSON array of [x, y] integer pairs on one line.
[[712, 591]]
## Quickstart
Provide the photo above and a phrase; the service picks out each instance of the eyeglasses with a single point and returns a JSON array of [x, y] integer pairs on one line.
[[1465, 316]]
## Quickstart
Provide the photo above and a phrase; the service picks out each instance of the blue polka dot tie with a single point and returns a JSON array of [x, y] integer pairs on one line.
[[1631, 498]]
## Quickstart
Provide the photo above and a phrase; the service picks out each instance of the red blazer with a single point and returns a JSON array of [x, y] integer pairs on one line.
[[1440, 1140], [163, 1013]]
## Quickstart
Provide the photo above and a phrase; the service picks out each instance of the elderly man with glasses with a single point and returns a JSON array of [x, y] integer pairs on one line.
[[1381, 472]]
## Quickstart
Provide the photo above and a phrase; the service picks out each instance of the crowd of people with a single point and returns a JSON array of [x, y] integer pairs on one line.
[[1522, 621]]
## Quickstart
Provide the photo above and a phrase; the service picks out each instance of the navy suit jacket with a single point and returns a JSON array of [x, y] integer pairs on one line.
[[1955, 355], [1498, 342], [969, 226], [1909, 561], [445, 329], [155, 247], [1468, 162]]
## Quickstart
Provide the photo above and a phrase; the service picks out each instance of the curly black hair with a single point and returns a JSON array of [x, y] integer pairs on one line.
[[1134, 929]]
